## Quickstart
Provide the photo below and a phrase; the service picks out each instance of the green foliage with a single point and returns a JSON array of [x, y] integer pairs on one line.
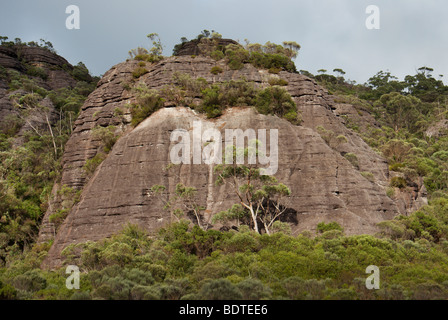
[[276, 100], [191, 86], [29, 171], [7, 292], [216, 70], [263, 200], [236, 56], [157, 47], [390, 192], [274, 81], [10, 125], [254, 289], [220, 289], [148, 102], [324, 227], [217, 97], [368, 175], [3, 73], [353, 159], [217, 55], [81, 73], [58, 217], [153, 55], [107, 136], [402, 111], [30, 163], [383, 83], [398, 182], [71, 100], [138, 72], [35, 71], [271, 56], [93, 163], [148, 58], [330, 137], [184, 199], [18, 43], [185, 262]]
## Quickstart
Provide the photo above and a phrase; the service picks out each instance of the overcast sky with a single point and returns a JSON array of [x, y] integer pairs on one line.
[[332, 33]]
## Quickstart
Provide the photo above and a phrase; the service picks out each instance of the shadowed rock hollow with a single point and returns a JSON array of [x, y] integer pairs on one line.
[[325, 185]]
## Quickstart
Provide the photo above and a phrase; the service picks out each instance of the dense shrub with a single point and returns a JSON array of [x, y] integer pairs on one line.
[[274, 81], [276, 100], [324, 227], [107, 136], [398, 182], [93, 163], [216, 70], [148, 58], [37, 72], [7, 292], [185, 262], [81, 73], [217, 55], [216, 98], [148, 101], [138, 72], [220, 289]]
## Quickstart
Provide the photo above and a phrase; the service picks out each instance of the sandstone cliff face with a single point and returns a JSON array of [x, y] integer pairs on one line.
[[325, 186]]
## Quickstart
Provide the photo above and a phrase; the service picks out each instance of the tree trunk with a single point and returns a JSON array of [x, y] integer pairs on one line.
[[52, 137]]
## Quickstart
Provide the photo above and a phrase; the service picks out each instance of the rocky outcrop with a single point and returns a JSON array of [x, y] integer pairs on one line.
[[9, 59], [42, 55], [19, 57], [325, 185], [15, 56], [193, 48]]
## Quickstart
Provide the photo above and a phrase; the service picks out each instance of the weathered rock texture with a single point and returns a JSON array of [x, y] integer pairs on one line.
[[193, 48], [325, 186]]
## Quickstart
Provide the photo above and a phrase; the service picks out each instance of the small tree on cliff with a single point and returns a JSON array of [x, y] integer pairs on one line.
[[261, 197], [184, 199], [157, 47], [292, 49]]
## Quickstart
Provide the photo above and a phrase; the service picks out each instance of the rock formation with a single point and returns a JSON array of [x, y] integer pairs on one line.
[[193, 48], [325, 185]]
